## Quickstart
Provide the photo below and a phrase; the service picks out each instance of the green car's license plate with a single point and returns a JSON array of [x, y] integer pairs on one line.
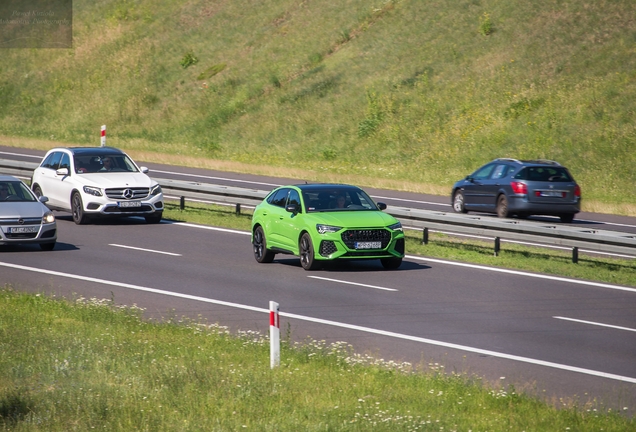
[[368, 245]]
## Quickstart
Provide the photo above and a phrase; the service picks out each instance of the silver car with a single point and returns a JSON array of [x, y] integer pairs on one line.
[[24, 218]]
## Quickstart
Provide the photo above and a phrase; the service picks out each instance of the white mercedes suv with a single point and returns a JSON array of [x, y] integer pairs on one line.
[[93, 182]]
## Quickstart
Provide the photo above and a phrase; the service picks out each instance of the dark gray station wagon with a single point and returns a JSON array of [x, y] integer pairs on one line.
[[511, 187]]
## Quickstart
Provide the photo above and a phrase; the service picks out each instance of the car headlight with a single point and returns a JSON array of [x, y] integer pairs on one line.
[[156, 190], [91, 190], [396, 227], [48, 218], [323, 229]]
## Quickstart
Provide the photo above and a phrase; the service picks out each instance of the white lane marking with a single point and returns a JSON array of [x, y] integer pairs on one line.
[[144, 250], [335, 324], [216, 178], [595, 323], [352, 283], [522, 273]]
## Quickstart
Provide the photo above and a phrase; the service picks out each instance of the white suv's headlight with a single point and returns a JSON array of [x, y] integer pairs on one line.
[[92, 190], [48, 218], [323, 229], [156, 190]]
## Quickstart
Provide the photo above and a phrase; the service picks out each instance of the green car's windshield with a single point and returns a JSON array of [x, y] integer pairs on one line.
[[15, 191], [337, 199]]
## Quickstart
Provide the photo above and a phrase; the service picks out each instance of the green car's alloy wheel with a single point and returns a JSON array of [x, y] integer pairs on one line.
[[307, 259], [261, 253]]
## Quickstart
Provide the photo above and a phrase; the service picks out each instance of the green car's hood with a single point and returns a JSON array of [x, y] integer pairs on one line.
[[353, 219]]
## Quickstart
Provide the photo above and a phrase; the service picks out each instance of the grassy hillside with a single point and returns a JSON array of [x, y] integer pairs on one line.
[[409, 93]]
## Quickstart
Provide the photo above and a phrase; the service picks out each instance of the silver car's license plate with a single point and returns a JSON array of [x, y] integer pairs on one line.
[[368, 245], [23, 230], [129, 204]]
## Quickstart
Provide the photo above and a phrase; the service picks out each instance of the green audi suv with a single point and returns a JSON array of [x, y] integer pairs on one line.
[[325, 222]]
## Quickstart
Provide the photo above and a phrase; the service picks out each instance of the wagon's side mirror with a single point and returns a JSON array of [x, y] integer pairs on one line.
[[381, 206]]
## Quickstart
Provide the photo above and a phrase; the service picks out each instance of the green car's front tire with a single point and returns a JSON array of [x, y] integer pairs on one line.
[[391, 263], [307, 257], [261, 253]]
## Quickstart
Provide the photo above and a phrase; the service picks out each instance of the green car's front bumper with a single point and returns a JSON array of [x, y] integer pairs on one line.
[[359, 244]]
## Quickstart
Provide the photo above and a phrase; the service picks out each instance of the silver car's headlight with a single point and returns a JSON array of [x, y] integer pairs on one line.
[[323, 229], [48, 218], [396, 227], [92, 190], [156, 190]]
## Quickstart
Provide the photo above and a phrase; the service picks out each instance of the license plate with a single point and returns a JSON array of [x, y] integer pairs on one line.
[[129, 204], [368, 245], [22, 230], [552, 193]]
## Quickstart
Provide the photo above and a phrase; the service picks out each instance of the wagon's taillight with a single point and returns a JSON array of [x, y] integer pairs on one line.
[[519, 187]]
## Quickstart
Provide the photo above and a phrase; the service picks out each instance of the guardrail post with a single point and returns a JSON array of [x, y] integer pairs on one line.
[[274, 335], [575, 255], [425, 236], [238, 209], [497, 246], [182, 203]]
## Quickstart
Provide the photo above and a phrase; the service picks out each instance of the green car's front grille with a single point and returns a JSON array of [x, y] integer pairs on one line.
[[350, 237]]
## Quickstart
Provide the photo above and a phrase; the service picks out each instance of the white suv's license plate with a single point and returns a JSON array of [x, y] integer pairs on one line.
[[368, 245], [22, 230], [129, 203]]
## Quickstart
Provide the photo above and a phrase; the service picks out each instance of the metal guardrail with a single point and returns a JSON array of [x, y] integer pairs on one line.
[[510, 229]]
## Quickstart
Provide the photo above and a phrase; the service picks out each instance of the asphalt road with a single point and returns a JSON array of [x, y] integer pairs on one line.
[[553, 337]]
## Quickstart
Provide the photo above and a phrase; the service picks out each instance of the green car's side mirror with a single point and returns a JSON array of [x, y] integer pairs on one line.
[[292, 208]]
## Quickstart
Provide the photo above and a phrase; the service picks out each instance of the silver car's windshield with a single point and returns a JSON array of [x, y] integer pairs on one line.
[[337, 199], [12, 191], [103, 163]]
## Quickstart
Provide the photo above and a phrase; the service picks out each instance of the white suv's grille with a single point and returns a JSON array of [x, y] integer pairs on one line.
[[127, 193]]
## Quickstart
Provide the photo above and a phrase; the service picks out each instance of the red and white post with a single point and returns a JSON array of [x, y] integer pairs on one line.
[[274, 335], [103, 135]]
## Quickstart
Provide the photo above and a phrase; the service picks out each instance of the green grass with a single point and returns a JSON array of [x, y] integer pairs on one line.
[[411, 93], [84, 364], [511, 256]]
